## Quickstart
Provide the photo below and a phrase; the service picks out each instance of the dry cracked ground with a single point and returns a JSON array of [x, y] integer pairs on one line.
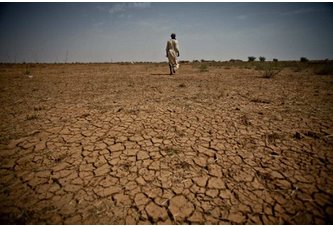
[[128, 144]]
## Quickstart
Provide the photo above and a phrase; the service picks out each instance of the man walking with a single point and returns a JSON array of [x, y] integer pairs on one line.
[[172, 51]]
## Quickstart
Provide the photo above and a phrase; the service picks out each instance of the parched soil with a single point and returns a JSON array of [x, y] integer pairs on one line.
[[129, 144]]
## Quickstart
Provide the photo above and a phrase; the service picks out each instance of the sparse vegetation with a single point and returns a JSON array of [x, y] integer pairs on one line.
[[270, 72], [38, 108], [4, 138], [182, 85], [298, 68], [326, 69], [203, 68], [31, 117], [172, 151], [259, 66], [273, 137], [261, 101], [245, 120], [27, 69]]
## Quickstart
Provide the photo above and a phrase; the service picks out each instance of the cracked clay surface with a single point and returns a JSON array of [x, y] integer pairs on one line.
[[128, 144]]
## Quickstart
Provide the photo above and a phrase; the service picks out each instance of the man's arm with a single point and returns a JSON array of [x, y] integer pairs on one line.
[[177, 48], [167, 49]]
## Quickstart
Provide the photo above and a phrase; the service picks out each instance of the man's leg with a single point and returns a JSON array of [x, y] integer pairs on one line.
[[171, 69], [175, 66]]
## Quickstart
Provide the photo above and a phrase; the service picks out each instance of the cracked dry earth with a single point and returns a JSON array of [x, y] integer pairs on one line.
[[128, 144]]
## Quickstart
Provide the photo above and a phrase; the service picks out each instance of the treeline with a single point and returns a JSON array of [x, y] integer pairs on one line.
[[250, 59]]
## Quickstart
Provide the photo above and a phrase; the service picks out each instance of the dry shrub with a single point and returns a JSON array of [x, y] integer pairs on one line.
[[31, 117], [182, 85], [203, 68], [38, 108], [270, 72], [27, 69], [326, 69]]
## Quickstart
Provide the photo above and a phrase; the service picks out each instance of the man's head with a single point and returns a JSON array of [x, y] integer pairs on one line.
[[173, 36]]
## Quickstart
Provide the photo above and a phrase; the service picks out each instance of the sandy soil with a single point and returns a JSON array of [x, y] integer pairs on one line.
[[129, 144]]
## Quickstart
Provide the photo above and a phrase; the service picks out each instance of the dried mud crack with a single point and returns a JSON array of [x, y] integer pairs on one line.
[[125, 144]]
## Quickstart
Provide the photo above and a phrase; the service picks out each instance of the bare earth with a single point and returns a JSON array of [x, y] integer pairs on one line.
[[129, 144]]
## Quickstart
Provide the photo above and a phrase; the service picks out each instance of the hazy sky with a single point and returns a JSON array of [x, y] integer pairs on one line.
[[101, 32]]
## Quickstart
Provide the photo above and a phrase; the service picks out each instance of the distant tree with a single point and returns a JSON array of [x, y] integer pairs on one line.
[[304, 59], [251, 58], [275, 60], [262, 59], [235, 60]]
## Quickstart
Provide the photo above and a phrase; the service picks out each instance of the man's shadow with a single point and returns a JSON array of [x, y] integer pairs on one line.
[[160, 74]]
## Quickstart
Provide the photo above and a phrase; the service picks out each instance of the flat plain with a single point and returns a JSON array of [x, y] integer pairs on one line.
[[129, 144]]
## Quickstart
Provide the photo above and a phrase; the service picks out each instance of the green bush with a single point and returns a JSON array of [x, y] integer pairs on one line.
[[275, 60], [251, 58]]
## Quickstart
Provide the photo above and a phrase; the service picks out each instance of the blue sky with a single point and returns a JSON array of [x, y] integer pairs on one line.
[[104, 32]]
